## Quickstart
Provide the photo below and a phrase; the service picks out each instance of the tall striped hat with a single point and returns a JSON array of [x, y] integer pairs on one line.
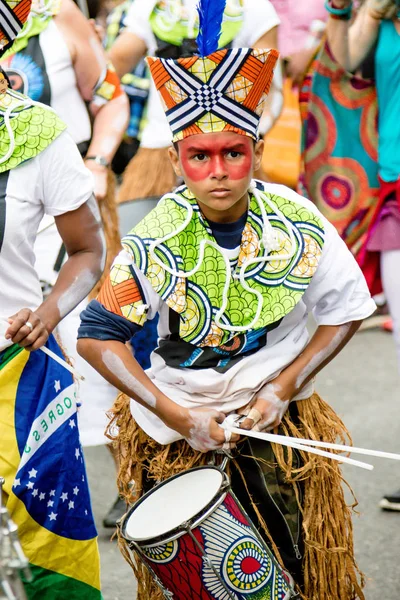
[[224, 91], [13, 15], [215, 90]]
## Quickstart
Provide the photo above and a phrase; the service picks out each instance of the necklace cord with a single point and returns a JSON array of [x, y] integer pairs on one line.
[[269, 241]]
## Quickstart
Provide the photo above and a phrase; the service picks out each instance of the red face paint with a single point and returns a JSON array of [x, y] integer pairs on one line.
[[220, 156]]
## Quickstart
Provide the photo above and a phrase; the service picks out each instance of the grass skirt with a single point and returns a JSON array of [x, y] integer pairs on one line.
[[330, 569]]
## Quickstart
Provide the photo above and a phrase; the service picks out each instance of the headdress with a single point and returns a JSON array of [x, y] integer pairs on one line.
[[13, 15], [216, 90]]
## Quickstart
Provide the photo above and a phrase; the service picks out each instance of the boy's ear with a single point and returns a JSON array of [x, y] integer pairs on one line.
[[174, 158], [258, 154]]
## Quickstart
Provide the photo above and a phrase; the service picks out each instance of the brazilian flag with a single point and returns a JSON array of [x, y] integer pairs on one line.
[[41, 460]]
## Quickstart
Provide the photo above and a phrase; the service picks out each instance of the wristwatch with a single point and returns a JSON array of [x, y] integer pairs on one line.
[[99, 160]]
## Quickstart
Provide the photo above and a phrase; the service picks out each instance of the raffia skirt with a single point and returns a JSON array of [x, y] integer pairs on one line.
[[314, 484]]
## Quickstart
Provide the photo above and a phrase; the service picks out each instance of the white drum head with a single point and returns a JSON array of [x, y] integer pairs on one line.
[[177, 501]]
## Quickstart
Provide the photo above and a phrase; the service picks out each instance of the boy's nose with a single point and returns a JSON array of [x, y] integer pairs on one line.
[[219, 170]]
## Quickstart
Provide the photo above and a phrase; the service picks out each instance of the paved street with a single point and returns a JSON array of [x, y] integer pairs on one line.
[[363, 385]]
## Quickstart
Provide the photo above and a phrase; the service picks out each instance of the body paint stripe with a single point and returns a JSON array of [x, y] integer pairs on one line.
[[3, 192]]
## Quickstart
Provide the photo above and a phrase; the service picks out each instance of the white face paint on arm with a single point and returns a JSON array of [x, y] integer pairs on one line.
[[321, 356], [119, 123], [108, 144], [273, 407], [117, 366], [200, 436], [77, 291], [94, 209]]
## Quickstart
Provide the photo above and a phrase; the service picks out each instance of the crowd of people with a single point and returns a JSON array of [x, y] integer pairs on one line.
[[247, 151]]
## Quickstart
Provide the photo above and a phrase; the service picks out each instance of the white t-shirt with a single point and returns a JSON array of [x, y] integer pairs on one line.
[[53, 183], [337, 294], [259, 18]]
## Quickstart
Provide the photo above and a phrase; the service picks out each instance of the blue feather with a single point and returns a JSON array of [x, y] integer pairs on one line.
[[211, 13]]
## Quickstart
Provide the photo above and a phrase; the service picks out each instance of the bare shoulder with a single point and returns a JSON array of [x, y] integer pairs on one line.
[[70, 18]]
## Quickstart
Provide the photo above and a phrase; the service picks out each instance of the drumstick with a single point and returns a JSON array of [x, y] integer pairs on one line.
[[284, 441], [341, 447], [321, 444], [233, 419]]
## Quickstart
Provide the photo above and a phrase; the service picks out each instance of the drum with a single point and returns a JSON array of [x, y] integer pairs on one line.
[[198, 542]]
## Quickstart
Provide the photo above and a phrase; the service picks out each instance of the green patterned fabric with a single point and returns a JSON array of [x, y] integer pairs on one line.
[[34, 129], [36, 23], [169, 22], [197, 299]]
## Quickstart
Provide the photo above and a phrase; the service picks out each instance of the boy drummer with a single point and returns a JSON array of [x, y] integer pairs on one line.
[[233, 267]]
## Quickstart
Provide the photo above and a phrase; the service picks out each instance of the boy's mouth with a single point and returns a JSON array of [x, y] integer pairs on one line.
[[220, 192]]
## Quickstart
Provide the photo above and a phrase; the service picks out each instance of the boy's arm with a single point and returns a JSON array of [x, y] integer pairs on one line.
[[102, 339], [339, 299], [271, 402], [115, 362]]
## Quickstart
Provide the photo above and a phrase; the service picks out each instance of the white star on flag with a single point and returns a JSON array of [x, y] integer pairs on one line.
[[32, 473], [83, 478], [35, 492], [52, 516], [86, 512], [76, 491], [64, 496], [50, 503], [42, 496], [17, 482], [57, 385], [53, 493], [77, 453], [71, 505], [71, 423], [30, 485]]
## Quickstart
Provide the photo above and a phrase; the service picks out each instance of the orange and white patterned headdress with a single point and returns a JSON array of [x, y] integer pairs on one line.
[[224, 91], [13, 15], [215, 90]]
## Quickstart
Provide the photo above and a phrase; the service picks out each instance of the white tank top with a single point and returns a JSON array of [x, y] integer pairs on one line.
[[65, 97]]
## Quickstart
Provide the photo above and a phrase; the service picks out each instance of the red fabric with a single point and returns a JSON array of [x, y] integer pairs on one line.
[[370, 261], [183, 576]]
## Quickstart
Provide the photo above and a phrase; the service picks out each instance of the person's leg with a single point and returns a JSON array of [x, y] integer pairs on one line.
[[119, 508], [390, 270]]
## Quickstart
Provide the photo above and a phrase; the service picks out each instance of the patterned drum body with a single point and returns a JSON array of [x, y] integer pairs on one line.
[[222, 558]]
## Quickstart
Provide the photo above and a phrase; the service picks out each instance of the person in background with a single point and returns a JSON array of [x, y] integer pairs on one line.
[[46, 489], [302, 26], [58, 60], [136, 85], [301, 30], [378, 22]]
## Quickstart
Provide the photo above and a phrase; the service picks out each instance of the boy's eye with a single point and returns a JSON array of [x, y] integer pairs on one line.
[[200, 157], [234, 154]]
